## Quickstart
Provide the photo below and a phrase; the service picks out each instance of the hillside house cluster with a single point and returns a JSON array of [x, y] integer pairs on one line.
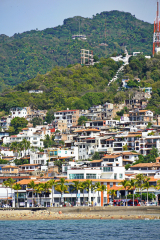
[[117, 143]]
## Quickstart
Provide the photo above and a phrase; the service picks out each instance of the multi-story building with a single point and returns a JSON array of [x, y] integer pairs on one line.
[[71, 116], [5, 122], [61, 125], [140, 116], [147, 143], [107, 111], [129, 157], [10, 170], [34, 135], [53, 154], [18, 112], [32, 113], [147, 169]]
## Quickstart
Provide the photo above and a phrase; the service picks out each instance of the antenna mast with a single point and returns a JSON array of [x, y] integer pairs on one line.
[[156, 35]]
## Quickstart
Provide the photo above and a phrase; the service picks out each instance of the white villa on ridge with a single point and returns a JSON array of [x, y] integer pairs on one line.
[[18, 112]]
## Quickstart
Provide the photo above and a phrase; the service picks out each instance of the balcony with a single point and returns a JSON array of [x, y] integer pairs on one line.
[[118, 145]]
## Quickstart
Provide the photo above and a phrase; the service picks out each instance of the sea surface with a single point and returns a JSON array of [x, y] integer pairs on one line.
[[80, 229]]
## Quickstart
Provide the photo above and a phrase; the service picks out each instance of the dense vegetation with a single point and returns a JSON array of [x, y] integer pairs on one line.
[[80, 87], [77, 87], [148, 70], [24, 55]]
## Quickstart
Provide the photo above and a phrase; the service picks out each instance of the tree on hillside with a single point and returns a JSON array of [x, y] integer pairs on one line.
[[18, 123], [37, 121], [82, 120], [95, 58], [151, 157], [50, 116], [120, 97]]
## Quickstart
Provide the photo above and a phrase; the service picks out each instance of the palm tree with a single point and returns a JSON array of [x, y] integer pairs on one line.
[[89, 186], [146, 185], [97, 187], [112, 192], [139, 182], [38, 190], [125, 185], [26, 144], [17, 187], [102, 188], [32, 185], [11, 183], [132, 185], [46, 187], [83, 187], [158, 185], [76, 186], [14, 146], [52, 183], [61, 187], [21, 147], [6, 184]]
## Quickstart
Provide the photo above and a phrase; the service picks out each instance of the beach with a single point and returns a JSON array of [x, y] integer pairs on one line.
[[57, 214]]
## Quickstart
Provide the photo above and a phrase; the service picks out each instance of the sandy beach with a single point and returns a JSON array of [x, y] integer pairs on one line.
[[51, 215]]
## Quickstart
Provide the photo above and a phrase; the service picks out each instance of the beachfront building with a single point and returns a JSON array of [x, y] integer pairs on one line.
[[74, 197]]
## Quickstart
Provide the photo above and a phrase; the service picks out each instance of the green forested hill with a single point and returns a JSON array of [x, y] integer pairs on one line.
[[74, 87], [23, 56]]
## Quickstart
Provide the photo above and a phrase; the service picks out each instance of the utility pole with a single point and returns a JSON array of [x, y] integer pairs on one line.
[[156, 34], [105, 30]]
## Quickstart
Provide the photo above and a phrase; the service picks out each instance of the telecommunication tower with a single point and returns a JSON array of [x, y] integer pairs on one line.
[[156, 35]]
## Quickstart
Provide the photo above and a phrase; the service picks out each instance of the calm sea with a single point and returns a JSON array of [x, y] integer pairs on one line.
[[80, 229]]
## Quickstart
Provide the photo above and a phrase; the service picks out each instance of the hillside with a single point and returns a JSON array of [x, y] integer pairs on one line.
[[148, 70], [80, 87], [74, 87], [23, 56]]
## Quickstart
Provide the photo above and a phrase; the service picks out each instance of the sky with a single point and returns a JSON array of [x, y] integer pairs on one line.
[[17, 16]]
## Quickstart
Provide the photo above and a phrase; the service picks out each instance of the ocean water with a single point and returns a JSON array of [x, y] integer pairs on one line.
[[80, 229]]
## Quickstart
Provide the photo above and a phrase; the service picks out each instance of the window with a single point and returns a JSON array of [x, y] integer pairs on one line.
[[105, 199], [111, 160], [76, 176], [111, 184], [115, 175], [120, 175], [107, 169], [90, 176]]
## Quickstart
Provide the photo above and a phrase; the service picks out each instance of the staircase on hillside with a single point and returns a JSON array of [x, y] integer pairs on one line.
[[126, 62]]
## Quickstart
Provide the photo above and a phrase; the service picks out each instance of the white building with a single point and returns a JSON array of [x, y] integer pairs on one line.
[[35, 91], [18, 112], [34, 135]]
